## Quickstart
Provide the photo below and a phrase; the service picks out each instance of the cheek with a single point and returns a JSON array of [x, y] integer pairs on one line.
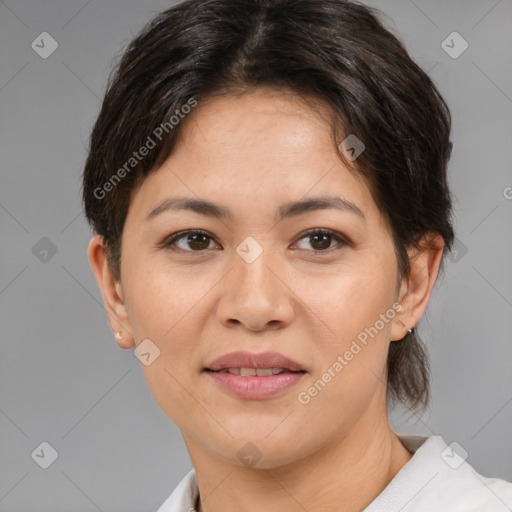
[[354, 347], [165, 307], [162, 298], [349, 299], [352, 355]]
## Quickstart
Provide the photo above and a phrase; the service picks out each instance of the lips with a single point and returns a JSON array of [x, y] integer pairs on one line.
[[248, 376], [251, 364]]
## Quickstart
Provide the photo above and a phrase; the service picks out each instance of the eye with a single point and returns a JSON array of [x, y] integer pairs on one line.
[[321, 239], [193, 240], [197, 240]]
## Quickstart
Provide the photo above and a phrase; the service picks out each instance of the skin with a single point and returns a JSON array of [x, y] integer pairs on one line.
[[252, 154]]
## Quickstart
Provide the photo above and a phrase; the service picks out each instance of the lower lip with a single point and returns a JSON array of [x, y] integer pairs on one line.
[[255, 388]]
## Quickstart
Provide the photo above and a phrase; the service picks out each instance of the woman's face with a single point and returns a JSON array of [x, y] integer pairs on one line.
[[310, 297]]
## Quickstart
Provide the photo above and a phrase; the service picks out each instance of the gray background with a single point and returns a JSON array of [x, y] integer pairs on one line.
[[63, 379]]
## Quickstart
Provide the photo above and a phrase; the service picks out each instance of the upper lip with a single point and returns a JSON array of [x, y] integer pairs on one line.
[[250, 360]]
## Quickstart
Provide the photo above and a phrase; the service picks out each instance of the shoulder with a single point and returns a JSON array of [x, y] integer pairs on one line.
[[183, 498], [438, 478]]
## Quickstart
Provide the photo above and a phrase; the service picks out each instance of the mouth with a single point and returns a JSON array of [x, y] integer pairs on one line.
[[255, 376], [255, 372], [249, 364]]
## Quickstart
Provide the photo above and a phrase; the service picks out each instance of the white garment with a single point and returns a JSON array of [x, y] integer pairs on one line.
[[435, 479]]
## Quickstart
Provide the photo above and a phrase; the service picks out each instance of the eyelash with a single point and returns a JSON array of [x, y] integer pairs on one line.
[[169, 241]]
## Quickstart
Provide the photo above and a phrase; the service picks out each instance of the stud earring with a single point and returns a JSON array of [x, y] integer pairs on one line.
[[410, 330], [119, 335]]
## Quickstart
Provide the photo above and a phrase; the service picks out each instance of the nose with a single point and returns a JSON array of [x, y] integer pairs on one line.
[[253, 296]]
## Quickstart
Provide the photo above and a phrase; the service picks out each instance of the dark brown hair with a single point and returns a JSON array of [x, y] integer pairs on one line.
[[334, 50]]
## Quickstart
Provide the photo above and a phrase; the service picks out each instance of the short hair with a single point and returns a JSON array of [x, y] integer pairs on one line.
[[333, 50]]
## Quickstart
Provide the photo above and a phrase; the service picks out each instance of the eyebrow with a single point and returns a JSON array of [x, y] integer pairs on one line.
[[288, 210]]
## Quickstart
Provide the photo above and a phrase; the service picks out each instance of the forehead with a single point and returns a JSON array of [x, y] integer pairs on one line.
[[282, 120], [265, 146]]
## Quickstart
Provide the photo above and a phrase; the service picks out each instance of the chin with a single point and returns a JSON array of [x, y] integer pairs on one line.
[[260, 450], [271, 459]]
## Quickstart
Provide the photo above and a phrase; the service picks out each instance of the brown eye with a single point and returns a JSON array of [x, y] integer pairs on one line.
[[322, 239], [190, 241], [198, 241]]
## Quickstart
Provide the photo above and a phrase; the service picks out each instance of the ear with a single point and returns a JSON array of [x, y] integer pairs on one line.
[[417, 288], [112, 292]]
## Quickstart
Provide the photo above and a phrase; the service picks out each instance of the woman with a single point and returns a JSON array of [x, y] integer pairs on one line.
[[267, 186]]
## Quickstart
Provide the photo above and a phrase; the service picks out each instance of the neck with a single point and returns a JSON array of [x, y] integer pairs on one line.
[[352, 472]]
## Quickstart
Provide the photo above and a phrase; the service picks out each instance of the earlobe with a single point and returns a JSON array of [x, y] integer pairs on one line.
[[124, 340], [416, 290], [111, 291]]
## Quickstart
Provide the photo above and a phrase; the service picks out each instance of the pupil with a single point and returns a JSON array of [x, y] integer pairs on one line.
[[325, 237], [194, 244]]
